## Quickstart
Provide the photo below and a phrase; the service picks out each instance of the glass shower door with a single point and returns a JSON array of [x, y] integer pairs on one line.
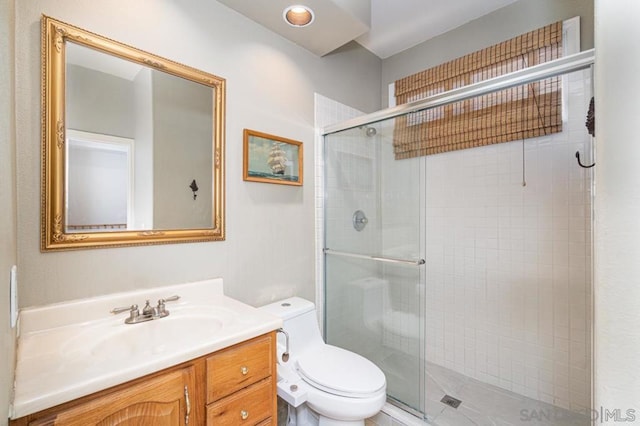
[[374, 298]]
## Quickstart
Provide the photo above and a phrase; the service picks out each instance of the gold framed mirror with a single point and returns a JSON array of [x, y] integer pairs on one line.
[[132, 145]]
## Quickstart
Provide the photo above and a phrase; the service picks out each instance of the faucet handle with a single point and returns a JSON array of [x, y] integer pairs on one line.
[[133, 313], [161, 308], [132, 308]]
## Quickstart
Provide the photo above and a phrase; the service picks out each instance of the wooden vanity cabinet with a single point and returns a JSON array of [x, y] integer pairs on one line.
[[241, 384], [234, 386]]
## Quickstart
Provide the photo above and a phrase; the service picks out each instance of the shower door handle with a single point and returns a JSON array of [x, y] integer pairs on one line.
[[376, 258]]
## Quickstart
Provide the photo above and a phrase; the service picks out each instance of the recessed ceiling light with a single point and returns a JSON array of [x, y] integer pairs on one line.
[[298, 16]]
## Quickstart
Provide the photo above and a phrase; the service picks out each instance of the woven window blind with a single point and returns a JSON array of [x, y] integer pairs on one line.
[[526, 111]]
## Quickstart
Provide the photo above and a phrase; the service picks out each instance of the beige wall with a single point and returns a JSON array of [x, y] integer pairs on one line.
[[503, 24], [7, 200], [269, 251], [617, 226]]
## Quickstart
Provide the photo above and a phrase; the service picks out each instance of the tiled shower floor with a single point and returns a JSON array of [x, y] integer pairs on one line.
[[482, 404]]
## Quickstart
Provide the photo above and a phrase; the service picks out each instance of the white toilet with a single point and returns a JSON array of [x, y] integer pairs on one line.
[[327, 385]]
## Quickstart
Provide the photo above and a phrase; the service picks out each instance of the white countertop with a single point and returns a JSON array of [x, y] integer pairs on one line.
[[72, 349]]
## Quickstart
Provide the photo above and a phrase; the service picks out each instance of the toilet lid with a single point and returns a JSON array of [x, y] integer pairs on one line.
[[341, 372]]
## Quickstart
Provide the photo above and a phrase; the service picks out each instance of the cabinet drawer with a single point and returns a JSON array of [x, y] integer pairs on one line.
[[239, 366], [251, 406]]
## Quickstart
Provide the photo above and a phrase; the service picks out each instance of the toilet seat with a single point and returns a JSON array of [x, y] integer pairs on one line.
[[340, 372]]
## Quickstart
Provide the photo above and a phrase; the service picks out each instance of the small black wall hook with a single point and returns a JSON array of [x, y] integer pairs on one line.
[[580, 162]]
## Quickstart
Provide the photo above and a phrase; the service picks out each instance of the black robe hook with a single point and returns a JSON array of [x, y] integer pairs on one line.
[[580, 162]]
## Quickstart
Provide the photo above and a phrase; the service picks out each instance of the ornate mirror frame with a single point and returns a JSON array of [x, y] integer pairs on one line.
[[55, 34]]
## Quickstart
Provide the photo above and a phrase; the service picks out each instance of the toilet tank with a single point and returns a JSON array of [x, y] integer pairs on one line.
[[289, 308], [300, 321]]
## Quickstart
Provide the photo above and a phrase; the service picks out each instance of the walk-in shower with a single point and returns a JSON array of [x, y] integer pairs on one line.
[[468, 288]]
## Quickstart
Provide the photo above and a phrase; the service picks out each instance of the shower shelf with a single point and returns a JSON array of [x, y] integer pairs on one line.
[[376, 258]]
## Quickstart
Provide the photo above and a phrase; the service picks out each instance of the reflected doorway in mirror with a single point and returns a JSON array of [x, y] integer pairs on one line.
[[99, 182]]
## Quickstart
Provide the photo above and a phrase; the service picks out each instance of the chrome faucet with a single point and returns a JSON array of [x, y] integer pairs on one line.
[[148, 312]]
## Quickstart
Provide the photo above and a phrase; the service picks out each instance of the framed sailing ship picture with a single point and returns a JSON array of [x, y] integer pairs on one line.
[[271, 159]]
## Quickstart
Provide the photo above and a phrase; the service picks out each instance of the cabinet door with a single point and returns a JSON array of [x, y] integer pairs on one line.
[[163, 400]]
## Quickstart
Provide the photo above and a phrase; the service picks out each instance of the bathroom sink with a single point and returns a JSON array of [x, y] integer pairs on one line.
[[72, 349], [115, 340]]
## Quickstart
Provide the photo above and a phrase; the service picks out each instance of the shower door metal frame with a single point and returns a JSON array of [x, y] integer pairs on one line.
[[566, 64]]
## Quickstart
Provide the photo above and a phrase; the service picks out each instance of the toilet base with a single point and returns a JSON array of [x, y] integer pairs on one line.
[[325, 421], [305, 416]]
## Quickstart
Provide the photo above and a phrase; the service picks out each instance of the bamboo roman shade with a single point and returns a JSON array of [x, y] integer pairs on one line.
[[521, 112]]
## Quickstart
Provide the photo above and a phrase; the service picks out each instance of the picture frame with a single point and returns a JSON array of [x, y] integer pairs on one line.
[[271, 159]]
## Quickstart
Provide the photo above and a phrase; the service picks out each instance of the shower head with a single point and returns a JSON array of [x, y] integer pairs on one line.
[[369, 131]]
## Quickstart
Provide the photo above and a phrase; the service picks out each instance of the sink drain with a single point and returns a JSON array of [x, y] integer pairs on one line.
[[451, 401]]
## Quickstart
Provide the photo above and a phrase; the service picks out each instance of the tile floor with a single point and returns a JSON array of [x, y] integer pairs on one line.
[[482, 405]]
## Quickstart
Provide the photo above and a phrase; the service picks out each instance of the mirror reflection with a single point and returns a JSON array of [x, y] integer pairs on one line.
[[133, 145], [123, 122]]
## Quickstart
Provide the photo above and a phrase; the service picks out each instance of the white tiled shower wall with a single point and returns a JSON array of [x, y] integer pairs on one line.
[[508, 277], [508, 267], [508, 274]]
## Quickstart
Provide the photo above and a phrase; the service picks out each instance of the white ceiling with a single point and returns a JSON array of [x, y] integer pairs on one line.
[[335, 23], [385, 27], [397, 25]]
